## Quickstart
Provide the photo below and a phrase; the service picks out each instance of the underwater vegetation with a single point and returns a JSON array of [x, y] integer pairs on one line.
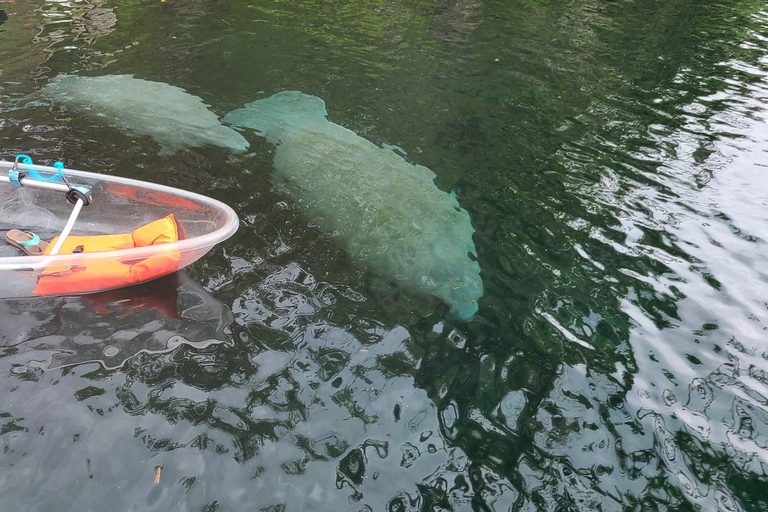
[[388, 213], [168, 114]]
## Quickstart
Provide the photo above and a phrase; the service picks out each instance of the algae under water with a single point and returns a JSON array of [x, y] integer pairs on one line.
[[611, 157]]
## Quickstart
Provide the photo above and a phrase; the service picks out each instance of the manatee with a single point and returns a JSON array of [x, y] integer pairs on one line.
[[168, 114], [388, 213]]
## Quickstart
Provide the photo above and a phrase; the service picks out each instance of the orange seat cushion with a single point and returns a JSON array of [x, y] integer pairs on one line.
[[113, 274], [159, 232], [93, 243]]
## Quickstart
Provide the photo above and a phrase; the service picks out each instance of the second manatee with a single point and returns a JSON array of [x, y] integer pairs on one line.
[[168, 114], [388, 213]]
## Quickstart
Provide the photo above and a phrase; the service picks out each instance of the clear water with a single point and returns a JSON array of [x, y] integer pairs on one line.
[[612, 157]]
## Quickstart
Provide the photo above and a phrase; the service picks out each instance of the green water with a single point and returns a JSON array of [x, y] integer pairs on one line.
[[611, 156]]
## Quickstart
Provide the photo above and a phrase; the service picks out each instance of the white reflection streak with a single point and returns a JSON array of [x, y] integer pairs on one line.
[[565, 332]]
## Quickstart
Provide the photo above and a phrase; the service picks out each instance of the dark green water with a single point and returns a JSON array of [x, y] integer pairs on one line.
[[612, 157]]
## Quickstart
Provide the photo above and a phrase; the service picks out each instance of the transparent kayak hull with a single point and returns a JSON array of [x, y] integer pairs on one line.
[[118, 206]]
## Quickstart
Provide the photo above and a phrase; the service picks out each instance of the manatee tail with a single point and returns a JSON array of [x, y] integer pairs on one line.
[[273, 116]]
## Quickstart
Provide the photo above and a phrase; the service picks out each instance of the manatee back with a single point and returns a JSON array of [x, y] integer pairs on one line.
[[389, 213], [275, 117], [172, 116]]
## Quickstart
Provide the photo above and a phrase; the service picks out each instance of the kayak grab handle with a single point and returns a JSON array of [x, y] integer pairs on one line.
[[77, 196], [16, 175]]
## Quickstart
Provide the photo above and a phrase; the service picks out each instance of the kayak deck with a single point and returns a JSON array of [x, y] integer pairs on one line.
[[118, 206]]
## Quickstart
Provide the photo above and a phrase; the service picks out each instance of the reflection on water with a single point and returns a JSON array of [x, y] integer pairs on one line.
[[684, 200], [154, 317], [610, 157], [38, 31], [314, 415]]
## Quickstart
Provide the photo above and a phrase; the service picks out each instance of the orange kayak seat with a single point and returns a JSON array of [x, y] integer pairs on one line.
[[96, 277]]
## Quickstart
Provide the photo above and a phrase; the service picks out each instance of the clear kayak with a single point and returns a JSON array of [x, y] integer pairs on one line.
[[99, 232]]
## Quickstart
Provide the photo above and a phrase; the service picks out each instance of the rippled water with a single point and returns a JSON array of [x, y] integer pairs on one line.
[[611, 156]]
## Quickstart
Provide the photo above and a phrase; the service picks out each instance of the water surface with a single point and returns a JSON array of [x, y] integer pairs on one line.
[[611, 156]]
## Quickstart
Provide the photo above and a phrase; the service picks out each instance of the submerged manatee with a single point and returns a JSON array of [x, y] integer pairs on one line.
[[388, 212], [168, 114]]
